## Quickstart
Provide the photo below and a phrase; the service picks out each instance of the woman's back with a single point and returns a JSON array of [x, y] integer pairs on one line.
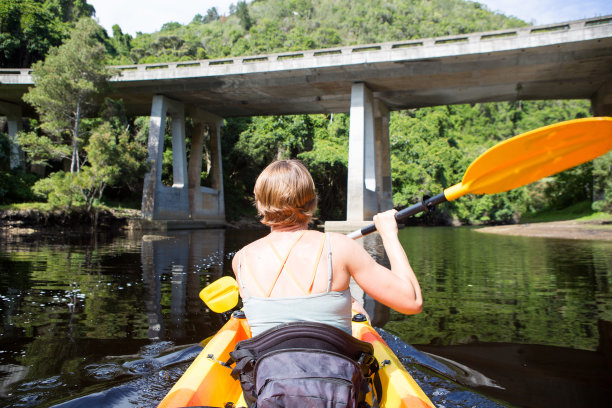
[[265, 272], [291, 280]]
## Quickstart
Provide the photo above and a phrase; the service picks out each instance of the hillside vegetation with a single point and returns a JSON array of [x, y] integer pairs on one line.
[[431, 147]]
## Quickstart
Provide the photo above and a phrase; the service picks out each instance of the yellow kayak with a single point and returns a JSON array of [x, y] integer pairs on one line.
[[207, 382]]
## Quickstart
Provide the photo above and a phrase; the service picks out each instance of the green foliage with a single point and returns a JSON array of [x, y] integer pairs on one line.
[[279, 25], [113, 158], [602, 168], [59, 189], [242, 11], [16, 186], [328, 161], [40, 149], [68, 84], [29, 28], [5, 151], [431, 148], [118, 47]]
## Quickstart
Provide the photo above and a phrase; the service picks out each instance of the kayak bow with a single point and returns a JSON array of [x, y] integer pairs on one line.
[[207, 381]]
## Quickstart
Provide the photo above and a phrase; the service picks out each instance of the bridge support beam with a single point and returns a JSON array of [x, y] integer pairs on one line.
[[185, 204], [160, 202], [369, 167], [15, 124], [206, 203]]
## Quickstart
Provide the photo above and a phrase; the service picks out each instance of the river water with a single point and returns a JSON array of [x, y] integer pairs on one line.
[[113, 321]]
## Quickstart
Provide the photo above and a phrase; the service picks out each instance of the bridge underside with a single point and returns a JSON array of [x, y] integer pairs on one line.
[[566, 71]]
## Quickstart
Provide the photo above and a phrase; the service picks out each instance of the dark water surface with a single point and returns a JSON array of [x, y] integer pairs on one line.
[[100, 321]]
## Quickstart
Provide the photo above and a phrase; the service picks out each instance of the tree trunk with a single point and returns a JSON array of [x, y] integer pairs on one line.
[[74, 165]]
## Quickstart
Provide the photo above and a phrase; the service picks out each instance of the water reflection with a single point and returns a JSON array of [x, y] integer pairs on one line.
[[189, 260], [95, 320]]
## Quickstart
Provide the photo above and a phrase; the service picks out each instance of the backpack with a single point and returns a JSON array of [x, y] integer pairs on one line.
[[304, 364]]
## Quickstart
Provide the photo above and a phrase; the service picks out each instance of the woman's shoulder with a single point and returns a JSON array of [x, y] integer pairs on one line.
[[340, 238], [341, 243]]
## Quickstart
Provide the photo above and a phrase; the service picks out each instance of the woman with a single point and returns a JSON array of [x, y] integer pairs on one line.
[[294, 274]]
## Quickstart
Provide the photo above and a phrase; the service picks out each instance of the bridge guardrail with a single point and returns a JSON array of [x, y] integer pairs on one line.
[[24, 74]]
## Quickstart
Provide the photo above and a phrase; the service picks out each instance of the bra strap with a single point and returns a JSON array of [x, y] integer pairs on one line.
[[283, 263], [316, 266]]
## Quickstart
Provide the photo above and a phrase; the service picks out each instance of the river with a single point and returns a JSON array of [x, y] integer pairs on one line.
[[112, 321]]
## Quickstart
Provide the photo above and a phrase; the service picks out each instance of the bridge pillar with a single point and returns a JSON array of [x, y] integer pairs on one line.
[[602, 100], [369, 168], [206, 203], [14, 119], [383, 156], [160, 202]]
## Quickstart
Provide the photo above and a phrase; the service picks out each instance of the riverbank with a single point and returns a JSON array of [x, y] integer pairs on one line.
[[571, 229], [32, 220]]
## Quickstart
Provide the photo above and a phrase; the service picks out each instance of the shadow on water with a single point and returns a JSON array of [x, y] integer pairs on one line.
[[113, 322], [141, 382]]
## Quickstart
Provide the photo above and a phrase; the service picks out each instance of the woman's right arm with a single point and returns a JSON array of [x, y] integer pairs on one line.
[[397, 287]]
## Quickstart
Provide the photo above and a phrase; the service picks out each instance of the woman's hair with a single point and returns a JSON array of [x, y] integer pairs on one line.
[[285, 194]]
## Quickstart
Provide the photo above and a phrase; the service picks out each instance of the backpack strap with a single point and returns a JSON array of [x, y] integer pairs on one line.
[[242, 357]]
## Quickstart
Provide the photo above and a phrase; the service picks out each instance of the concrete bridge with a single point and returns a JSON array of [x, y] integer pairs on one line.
[[558, 61]]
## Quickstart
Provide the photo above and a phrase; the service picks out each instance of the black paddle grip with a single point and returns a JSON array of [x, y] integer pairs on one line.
[[425, 205]]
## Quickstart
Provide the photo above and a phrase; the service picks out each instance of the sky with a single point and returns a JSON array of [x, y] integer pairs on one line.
[[148, 16]]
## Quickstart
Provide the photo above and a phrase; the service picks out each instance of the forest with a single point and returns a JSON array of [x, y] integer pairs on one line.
[[83, 151]]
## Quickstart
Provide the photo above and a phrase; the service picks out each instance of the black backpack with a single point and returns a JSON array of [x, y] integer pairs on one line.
[[305, 364]]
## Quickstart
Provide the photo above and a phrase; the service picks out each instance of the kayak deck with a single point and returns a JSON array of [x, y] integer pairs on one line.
[[208, 383]]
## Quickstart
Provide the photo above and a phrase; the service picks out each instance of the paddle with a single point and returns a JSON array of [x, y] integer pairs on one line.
[[512, 163], [521, 160], [221, 295]]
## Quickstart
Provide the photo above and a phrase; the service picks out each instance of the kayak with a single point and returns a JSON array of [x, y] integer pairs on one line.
[[207, 381]]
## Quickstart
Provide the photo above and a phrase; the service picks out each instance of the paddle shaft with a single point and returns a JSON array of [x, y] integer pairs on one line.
[[424, 206]]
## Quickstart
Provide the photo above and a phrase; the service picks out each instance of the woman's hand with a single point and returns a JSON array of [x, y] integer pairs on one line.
[[385, 223]]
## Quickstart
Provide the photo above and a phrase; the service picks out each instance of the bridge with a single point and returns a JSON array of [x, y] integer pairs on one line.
[[571, 60]]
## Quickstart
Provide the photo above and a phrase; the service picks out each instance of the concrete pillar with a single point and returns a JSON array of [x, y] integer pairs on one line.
[[194, 168], [361, 186], [15, 125], [383, 156], [369, 168], [206, 203], [160, 202], [602, 100]]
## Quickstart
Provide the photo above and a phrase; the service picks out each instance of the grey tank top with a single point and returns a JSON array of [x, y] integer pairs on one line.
[[330, 307]]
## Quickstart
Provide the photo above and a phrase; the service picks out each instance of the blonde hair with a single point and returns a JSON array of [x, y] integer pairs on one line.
[[285, 194]]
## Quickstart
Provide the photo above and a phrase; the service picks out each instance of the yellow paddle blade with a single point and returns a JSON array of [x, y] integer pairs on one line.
[[221, 295], [531, 156]]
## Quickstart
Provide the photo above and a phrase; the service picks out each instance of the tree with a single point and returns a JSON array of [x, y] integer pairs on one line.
[[68, 84], [242, 11], [113, 158], [27, 31], [29, 28], [211, 15]]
